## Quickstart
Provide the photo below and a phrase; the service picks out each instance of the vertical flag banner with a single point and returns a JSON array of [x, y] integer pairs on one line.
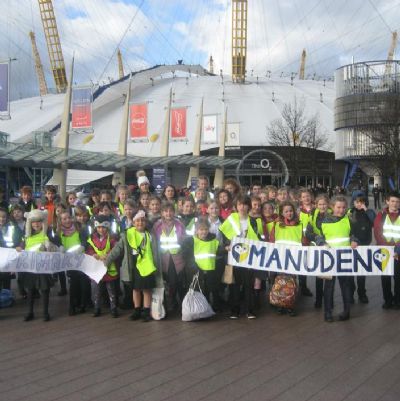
[[210, 129], [159, 179], [82, 109], [232, 139], [4, 91], [178, 124], [138, 122]]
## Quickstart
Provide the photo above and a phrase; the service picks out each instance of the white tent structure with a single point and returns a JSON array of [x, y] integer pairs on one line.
[[252, 105]]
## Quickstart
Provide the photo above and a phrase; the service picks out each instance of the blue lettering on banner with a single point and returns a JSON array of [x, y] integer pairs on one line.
[[328, 268], [341, 260], [257, 253], [358, 259], [316, 261], [274, 257], [289, 258]]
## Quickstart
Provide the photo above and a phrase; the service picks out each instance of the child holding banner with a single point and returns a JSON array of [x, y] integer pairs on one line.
[[387, 232], [336, 231], [99, 245], [287, 230], [240, 224], [312, 231], [36, 240]]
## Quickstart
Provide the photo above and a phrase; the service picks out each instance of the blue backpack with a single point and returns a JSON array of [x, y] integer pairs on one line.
[[6, 298]]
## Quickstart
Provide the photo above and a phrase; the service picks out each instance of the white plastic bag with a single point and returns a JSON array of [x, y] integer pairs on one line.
[[195, 305], [157, 304]]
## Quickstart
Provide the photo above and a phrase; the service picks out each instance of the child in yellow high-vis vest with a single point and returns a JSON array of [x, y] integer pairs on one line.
[[201, 253], [99, 244], [240, 224], [336, 231], [138, 266], [36, 239]]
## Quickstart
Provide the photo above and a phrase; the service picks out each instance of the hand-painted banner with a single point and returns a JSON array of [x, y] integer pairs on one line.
[[81, 109], [232, 135], [138, 122], [312, 260], [210, 129], [178, 124], [4, 91], [50, 263]]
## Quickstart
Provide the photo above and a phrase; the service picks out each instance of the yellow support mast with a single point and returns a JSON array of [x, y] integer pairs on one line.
[[38, 66], [302, 64], [239, 40], [120, 65], [53, 44]]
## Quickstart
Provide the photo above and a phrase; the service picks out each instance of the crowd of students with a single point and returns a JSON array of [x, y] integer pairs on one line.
[[144, 239]]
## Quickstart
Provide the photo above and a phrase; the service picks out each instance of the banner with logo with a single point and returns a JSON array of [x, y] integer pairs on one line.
[[81, 109], [210, 129], [5, 91], [312, 260], [138, 122], [159, 179], [178, 124], [232, 139], [50, 263]]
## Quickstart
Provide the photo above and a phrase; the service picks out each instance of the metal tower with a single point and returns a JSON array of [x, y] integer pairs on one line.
[[239, 40], [53, 44], [38, 66], [302, 64], [120, 65], [211, 64]]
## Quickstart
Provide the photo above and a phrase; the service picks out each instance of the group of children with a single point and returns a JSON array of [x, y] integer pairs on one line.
[[145, 240]]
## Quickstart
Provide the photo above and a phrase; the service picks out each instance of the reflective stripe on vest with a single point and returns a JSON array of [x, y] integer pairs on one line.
[[205, 253], [191, 226], [9, 236], [145, 261], [112, 269], [69, 241], [169, 243], [34, 242], [288, 235], [391, 231], [337, 234]]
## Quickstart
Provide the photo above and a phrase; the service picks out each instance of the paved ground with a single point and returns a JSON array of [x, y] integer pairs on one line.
[[271, 358]]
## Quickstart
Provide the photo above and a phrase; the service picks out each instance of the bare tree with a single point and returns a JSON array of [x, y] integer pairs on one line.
[[295, 129]]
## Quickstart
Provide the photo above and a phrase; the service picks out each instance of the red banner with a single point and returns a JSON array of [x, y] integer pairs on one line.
[[138, 122], [178, 124], [81, 108]]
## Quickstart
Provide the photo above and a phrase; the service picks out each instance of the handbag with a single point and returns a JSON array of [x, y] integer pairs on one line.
[[195, 305], [228, 277], [284, 291]]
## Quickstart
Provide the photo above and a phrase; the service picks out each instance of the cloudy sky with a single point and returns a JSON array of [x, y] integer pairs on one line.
[[150, 32]]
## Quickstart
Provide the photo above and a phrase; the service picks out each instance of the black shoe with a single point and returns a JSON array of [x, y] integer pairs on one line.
[[114, 313], [387, 305], [281, 311], [29, 317], [363, 299], [146, 315], [62, 293], [136, 314], [234, 316], [292, 312], [305, 291], [72, 311], [97, 313], [251, 315], [344, 316], [328, 317], [46, 317], [82, 309]]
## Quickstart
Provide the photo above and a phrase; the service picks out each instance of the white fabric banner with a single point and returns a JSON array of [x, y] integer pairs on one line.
[[312, 260], [233, 135], [50, 263]]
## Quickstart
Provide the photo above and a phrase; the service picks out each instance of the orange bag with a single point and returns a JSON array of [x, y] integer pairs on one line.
[[284, 291]]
